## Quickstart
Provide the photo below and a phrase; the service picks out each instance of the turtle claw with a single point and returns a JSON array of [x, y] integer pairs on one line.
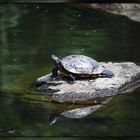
[[52, 78]]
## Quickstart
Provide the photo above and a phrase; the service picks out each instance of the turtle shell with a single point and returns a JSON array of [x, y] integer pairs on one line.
[[81, 64]]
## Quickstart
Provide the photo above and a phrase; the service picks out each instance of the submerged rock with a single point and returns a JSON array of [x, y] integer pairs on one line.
[[126, 77]]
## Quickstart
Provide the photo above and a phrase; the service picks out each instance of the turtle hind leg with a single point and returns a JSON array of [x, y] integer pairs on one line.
[[107, 74], [71, 79], [54, 74]]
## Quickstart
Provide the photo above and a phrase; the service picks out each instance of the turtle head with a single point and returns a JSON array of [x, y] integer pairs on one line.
[[56, 61], [54, 117], [107, 74]]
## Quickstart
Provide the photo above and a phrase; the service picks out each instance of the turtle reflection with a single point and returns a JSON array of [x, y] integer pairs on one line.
[[78, 112]]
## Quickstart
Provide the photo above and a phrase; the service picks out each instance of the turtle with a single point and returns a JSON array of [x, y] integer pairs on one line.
[[79, 67]]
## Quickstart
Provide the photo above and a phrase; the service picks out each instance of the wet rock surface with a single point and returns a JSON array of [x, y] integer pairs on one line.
[[126, 74]]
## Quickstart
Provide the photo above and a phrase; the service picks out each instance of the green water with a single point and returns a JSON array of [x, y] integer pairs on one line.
[[29, 35]]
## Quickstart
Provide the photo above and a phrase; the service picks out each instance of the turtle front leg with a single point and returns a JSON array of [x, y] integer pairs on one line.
[[71, 79], [54, 74]]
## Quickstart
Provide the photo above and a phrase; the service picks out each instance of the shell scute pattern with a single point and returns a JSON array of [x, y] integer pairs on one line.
[[80, 64]]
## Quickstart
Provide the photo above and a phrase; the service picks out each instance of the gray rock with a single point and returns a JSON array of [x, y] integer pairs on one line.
[[126, 79], [131, 10]]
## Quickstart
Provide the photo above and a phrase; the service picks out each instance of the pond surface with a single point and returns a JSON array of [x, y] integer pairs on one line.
[[29, 35]]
